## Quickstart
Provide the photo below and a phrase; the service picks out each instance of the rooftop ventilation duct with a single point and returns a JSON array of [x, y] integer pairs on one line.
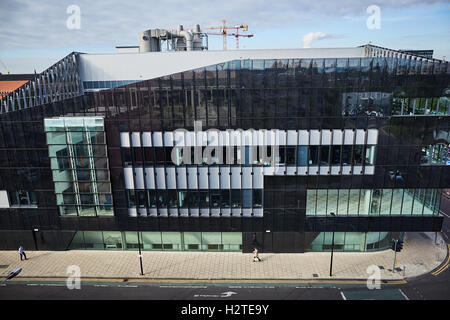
[[180, 39]]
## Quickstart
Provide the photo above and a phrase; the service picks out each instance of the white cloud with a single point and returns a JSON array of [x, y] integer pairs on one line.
[[309, 38]]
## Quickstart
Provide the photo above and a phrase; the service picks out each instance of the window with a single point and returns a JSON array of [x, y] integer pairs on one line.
[[358, 155], [313, 155], [302, 155], [370, 155], [257, 198], [324, 155], [172, 198], [346, 155], [131, 197], [22, 198], [335, 155], [246, 198], [215, 198], [225, 197], [235, 198], [290, 155]]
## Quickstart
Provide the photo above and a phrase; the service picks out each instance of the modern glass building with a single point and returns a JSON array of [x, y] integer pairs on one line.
[[226, 150]]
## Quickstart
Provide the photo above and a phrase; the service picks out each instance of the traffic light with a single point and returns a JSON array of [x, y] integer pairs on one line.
[[399, 246]]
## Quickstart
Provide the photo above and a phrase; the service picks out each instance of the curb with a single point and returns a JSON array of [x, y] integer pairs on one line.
[[188, 280]]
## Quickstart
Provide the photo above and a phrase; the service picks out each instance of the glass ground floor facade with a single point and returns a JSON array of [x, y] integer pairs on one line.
[[158, 241], [222, 241], [354, 241]]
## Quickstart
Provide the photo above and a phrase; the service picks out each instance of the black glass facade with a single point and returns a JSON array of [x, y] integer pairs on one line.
[[405, 100]]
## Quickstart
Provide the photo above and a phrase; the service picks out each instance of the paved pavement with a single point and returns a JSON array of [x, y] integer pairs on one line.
[[419, 256]]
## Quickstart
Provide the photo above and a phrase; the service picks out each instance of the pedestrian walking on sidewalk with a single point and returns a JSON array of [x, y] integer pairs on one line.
[[255, 256], [22, 253]]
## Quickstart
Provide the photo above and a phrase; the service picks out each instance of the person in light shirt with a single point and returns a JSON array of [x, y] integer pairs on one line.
[[22, 253]]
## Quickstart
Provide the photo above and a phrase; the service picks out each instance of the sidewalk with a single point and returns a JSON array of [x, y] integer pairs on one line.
[[420, 255]]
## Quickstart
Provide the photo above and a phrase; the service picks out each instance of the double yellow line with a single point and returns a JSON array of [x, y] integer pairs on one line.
[[444, 266]]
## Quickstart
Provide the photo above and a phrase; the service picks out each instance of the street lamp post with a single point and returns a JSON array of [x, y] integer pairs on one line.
[[332, 243], [140, 254]]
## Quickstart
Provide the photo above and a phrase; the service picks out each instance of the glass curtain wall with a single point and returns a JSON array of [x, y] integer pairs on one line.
[[79, 163], [158, 241], [353, 241], [321, 202]]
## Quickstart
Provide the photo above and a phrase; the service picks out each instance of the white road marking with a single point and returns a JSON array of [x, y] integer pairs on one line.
[[184, 287], [403, 294], [343, 296]]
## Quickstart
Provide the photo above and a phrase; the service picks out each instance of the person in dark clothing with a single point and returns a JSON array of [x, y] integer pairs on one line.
[[22, 253]]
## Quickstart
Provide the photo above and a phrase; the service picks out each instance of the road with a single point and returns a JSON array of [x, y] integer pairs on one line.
[[434, 286]]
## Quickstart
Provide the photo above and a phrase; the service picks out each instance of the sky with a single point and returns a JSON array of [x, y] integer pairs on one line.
[[34, 34]]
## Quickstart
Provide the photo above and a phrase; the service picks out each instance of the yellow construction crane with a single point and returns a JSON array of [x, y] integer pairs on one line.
[[4, 66], [224, 34]]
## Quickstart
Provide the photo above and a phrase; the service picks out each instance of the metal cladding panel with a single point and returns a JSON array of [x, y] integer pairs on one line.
[[4, 202], [183, 212], [157, 139], [171, 178], [258, 178], [326, 137], [125, 139], [338, 136], [292, 136], [195, 212], [135, 139], [160, 178], [349, 136], [214, 181], [247, 178], [280, 137], [346, 170], [192, 178], [247, 138], [247, 212], [225, 177], [213, 138], [132, 212], [290, 170], [203, 178], [146, 139], [189, 139], [235, 178], [324, 170], [360, 136], [224, 138], [153, 212], [236, 138], [181, 178], [173, 212], [357, 170], [150, 65], [139, 178], [314, 137], [179, 138], [168, 139], [335, 170], [129, 179], [150, 178], [372, 136], [201, 138], [369, 169], [303, 137]]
